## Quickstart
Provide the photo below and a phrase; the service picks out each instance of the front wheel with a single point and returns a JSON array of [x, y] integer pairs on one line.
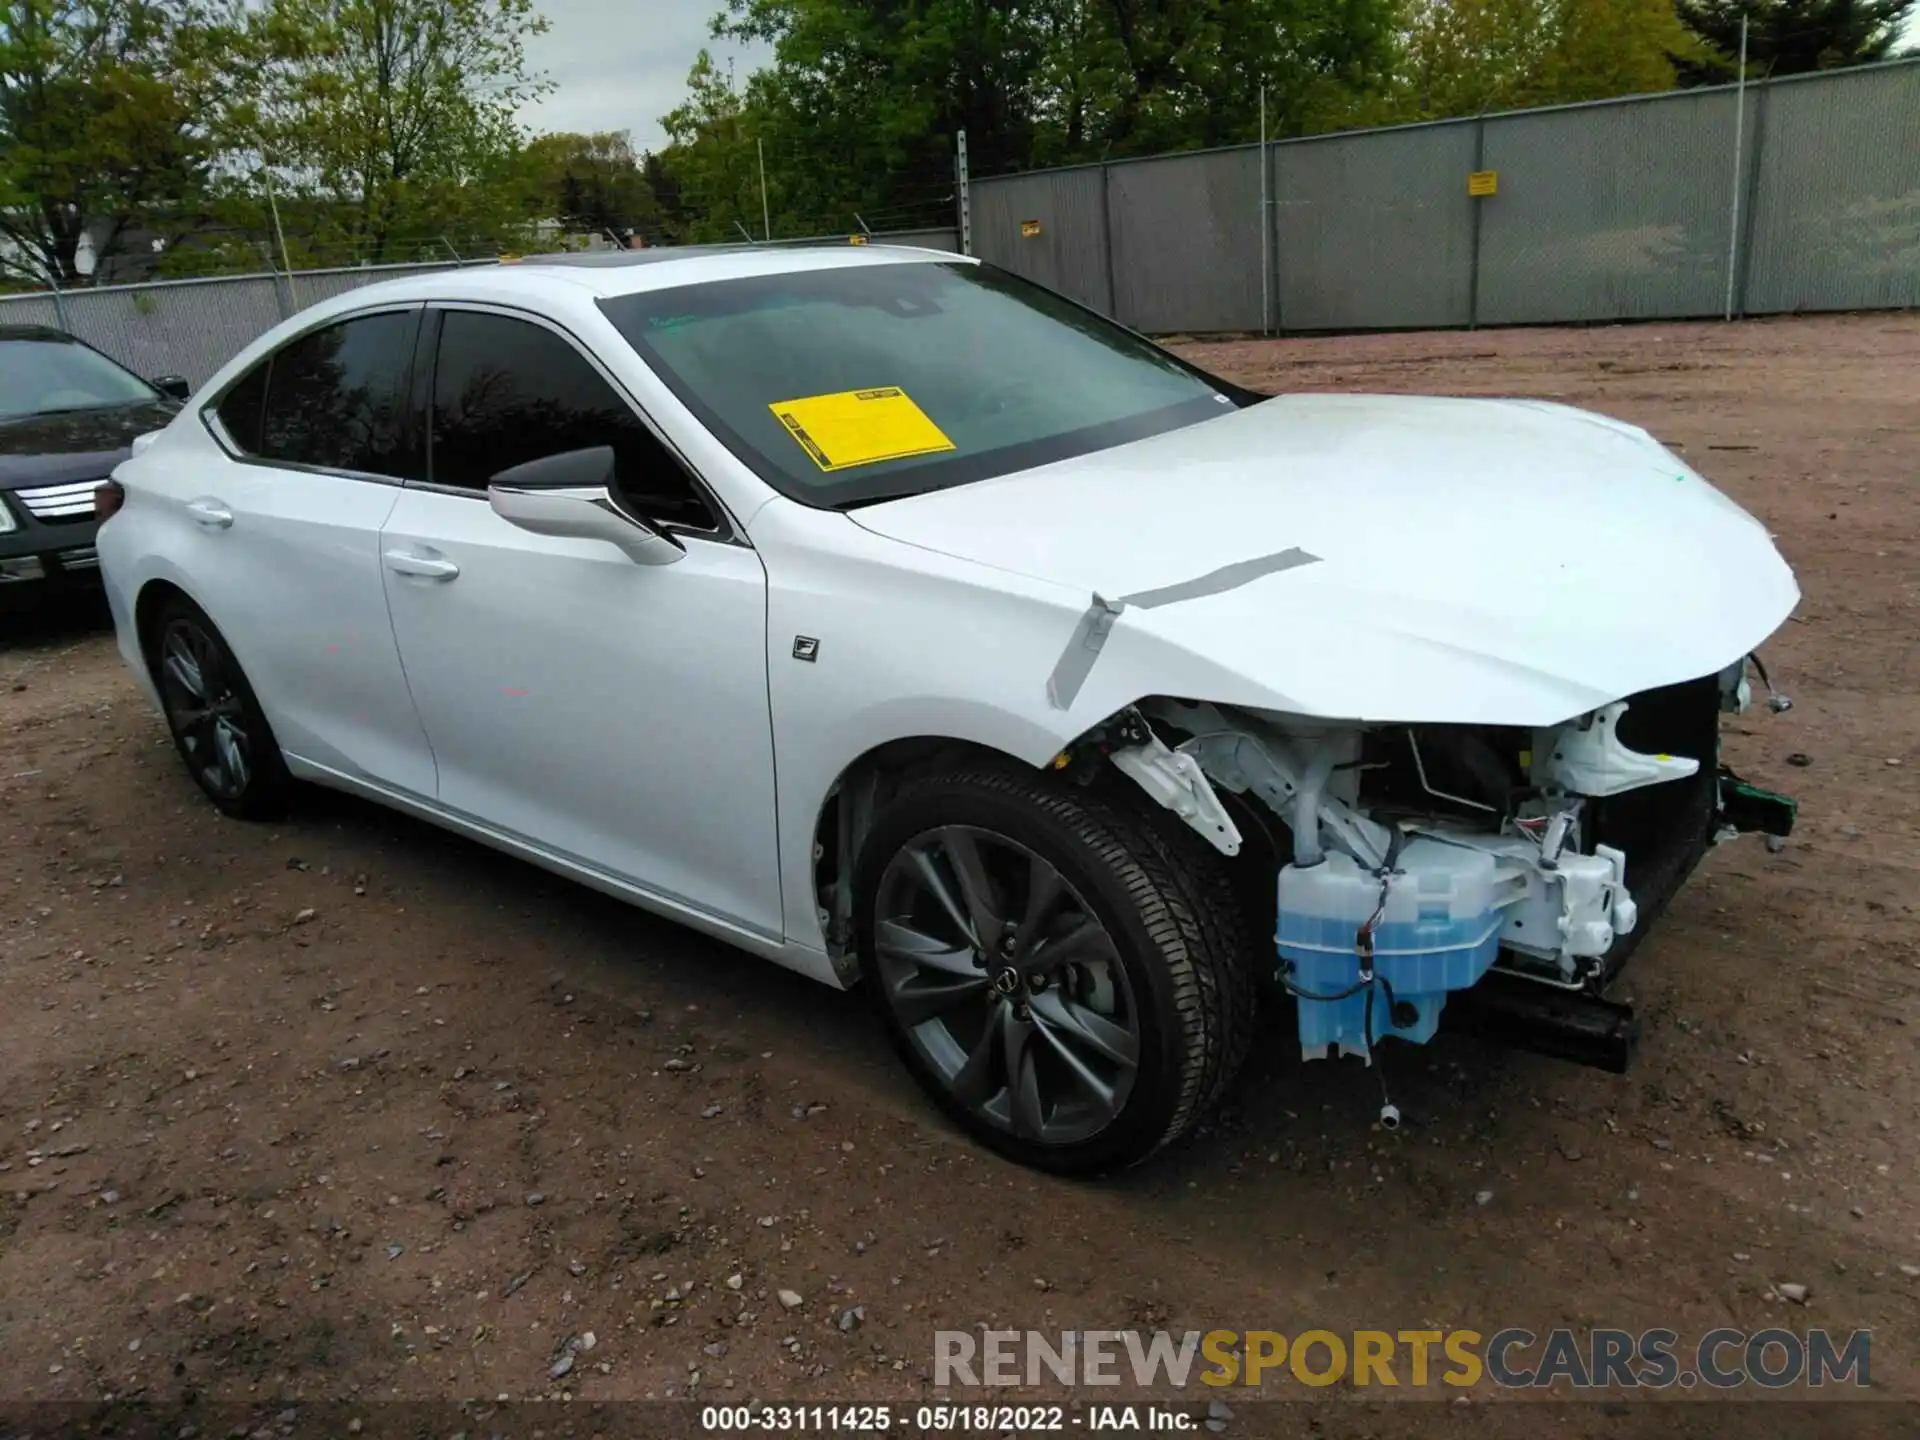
[[1066, 974]]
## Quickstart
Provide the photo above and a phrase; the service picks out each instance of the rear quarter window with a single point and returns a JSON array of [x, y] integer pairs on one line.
[[240, 409]]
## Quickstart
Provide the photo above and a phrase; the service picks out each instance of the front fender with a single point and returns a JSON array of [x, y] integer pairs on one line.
[[906, 645]]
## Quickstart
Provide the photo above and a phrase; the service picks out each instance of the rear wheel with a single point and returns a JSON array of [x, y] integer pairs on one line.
[[1067, 975], [217, 724]]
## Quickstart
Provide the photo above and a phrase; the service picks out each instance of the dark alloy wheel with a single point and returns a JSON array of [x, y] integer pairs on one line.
[[217, 724], [1006, 984], [1065, 974]]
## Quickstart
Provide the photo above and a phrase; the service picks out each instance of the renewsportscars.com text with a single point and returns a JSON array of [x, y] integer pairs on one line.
[[1512, 1358]]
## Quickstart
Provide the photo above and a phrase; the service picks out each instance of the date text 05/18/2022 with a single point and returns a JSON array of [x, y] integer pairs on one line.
[[949, 1419]]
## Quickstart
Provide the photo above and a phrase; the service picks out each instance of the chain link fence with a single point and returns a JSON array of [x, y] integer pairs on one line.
[[1784, 195], [1792, 194], [193, 327]]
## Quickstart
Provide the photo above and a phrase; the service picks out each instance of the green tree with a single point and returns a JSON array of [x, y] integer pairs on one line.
[[1791, 37], [1466, 57], [387, 125], [668, 207], [593, 183], [859, 108], [1603, 48], [97, 129], [1184, 73], [712, 158]]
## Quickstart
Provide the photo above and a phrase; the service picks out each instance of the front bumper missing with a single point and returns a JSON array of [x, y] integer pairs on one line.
[[1563, 1024], [1581, 1024]]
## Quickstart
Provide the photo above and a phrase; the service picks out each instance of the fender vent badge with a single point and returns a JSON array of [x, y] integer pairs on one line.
[[806, 648]]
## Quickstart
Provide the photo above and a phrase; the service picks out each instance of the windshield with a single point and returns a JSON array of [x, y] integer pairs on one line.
[[47, 377], [845, 386]]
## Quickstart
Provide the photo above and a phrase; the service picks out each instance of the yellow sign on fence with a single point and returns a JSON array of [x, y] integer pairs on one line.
[[1483, 182], [1029, 229]]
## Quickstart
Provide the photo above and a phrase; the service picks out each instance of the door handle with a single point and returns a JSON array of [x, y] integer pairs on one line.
[[427, 565], [210, 513]]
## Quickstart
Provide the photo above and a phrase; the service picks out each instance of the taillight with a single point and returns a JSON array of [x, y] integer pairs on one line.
[[108, 497]]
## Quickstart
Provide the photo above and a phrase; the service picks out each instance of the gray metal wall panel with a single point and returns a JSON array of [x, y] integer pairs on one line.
[[1608, 212], [1070, 252], [1611, 211], [938, 238], [1374, 231], [1186, 241], [1836, 209], [934, 237]]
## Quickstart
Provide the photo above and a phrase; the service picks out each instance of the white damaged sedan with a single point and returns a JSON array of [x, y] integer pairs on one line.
[[898, 621]]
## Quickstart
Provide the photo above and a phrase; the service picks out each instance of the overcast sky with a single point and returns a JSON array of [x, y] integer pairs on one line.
[[621, 65]]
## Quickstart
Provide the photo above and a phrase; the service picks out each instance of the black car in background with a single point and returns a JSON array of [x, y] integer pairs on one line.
[[67, 416]]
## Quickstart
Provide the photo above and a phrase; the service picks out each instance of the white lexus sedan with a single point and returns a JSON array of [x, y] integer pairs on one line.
[[903, 623]]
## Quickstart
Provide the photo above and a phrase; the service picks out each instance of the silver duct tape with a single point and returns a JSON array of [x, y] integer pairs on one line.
[[1227, 577], [1076, 661], [1090, 634]]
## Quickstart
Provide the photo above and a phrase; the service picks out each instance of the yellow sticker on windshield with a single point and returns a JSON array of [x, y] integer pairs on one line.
[[860, 427]]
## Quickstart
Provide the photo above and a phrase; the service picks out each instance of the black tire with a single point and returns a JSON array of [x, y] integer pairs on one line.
[[224, 720], [1175, 928]]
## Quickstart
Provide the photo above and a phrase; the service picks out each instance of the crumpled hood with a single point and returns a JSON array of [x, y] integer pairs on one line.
[[74, 444], [1478, 561]]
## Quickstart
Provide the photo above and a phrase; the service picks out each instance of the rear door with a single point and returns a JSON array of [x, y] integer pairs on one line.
[[281, 542], [611, 712]]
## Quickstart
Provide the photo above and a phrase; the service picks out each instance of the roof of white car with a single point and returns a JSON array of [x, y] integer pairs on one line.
[[625, 272]]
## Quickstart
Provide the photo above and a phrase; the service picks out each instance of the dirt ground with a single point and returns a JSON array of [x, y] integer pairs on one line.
[[348, 1110]]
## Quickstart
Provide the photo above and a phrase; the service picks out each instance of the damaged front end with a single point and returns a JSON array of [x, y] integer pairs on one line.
[[1499, 875]]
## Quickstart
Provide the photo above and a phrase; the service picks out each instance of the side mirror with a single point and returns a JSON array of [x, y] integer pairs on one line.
[[571, 494], [174, 387]]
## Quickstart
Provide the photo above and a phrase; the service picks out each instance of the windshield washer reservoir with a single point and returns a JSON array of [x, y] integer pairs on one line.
[[1440, 931]]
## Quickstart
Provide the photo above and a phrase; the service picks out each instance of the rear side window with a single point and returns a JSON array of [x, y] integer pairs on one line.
[[506, 391], [337, 399]]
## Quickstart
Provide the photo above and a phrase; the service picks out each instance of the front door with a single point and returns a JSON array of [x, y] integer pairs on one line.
[[613, 712]]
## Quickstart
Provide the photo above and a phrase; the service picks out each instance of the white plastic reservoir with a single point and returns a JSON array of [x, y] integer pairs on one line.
[[1441, 931]]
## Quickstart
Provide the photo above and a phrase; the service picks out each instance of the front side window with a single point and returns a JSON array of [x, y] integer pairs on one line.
[[507, 391], [55, 377], [337, 398], [852, 384]]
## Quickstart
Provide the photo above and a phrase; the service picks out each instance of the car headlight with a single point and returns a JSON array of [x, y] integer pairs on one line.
[[7, 523]]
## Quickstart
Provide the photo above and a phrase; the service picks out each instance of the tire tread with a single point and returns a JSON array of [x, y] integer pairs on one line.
[[267, 797], [1182, 892]]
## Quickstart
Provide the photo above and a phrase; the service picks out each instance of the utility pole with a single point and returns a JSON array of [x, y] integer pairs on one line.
[[966, 196], [766, 219], [59, 300], [266, 174], [1266, 227], [1739, 139]]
